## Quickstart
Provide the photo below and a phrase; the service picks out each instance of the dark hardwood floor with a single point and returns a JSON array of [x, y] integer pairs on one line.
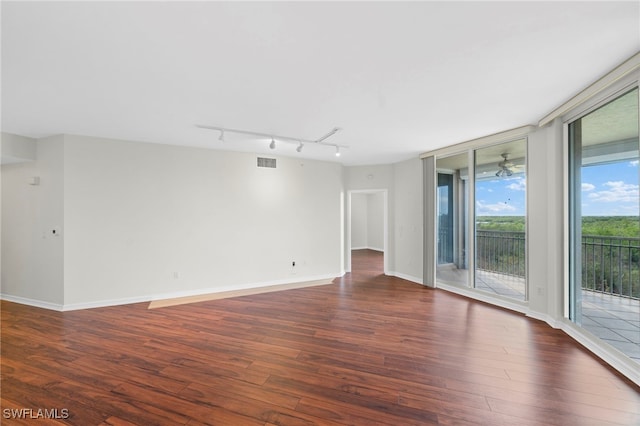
[[366, 350]]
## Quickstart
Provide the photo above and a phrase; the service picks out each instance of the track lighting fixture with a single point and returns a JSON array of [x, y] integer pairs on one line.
[[288, 139]]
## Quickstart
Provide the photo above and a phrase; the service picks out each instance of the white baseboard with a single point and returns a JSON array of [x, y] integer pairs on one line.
[[32, 302], [608, 354], [200, 292], [106, 303], [512, 305], [543, 317], [162, 296], [520, 307], [405, 277]]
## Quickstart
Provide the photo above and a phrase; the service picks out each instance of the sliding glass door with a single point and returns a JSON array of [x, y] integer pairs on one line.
[[604, 223], [481, 219]]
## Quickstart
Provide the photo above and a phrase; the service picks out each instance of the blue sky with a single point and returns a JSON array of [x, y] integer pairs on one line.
[[607, 190], [610, 189], [504, 196]]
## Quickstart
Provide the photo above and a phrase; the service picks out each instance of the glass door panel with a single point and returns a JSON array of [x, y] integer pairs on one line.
[[445, 218], [500, 219], [604, 225], [452, 214]]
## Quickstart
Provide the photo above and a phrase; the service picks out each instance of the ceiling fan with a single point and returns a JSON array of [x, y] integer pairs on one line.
[[505, 167]]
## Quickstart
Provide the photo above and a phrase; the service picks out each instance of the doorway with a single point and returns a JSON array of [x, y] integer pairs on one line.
[[367, 224]]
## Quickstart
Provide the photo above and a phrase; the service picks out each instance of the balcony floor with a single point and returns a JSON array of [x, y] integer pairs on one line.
[[616, 320]]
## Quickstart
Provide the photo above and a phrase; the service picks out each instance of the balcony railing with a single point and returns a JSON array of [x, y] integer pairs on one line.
[[610, 265], [502, 252]]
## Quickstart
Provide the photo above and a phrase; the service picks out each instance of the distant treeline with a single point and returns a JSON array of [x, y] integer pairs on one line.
[[500, 223], [619, 226], [611, 226]]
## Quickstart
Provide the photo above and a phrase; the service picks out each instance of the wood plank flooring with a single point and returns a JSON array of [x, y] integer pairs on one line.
[[365, 350]]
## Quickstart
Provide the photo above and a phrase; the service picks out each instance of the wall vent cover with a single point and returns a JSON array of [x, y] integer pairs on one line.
[[267, 162]]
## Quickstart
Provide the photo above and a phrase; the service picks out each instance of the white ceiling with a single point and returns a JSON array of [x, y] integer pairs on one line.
[[399, 78]]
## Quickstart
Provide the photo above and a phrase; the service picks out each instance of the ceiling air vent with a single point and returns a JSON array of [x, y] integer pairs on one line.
[[267, 162]]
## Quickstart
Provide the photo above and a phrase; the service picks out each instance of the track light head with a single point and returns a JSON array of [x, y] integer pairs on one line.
[[272, 145], [337, 151], [299, 148]]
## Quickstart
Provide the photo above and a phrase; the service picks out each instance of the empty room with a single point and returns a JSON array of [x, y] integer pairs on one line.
[[320, 213]]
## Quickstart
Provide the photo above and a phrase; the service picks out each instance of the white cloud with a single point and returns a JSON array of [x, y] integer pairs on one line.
[[633, 163], [520, 184], [588, 187], [616, 192], [489, 209], [483, 188]]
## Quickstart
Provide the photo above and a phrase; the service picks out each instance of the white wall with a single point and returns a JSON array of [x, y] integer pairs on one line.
[[144, 221], [375, 221], [141, 221], [408, 222], [359, 225], [545, 217], [367, 220], [32, 257], [17, 149], [147, 220]]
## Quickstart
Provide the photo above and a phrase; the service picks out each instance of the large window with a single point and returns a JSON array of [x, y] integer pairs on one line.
[[604, 226]]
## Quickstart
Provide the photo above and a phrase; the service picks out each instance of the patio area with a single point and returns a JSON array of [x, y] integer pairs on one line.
[[614, 319]]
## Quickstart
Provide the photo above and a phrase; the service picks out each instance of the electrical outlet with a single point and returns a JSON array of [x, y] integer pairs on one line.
[[176, 275]]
